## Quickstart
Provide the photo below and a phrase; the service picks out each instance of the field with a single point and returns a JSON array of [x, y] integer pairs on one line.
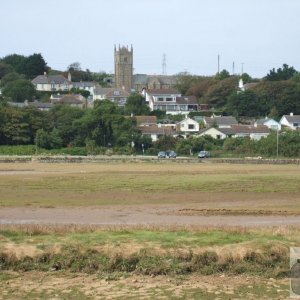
[[147, 230]]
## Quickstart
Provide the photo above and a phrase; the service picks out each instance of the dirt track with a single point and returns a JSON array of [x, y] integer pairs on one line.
[[167, 215]]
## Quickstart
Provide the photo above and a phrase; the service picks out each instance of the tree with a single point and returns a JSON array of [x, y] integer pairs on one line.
[[222, 75], [185, 81], [30, 66], [136, 105], [5, 69], [13, 76], [245, 104], [19, 90], [218, 93], [75, 66], [283, 73], [34, 65]]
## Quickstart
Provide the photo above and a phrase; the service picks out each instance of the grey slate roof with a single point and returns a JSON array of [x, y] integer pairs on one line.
[[219, 121], [292, 119], [83, 84], [143, 79], [45, 79], [155, 92]]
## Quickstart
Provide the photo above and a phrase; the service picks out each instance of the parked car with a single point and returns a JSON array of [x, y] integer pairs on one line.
[[161, 154], [203, 154], [172, 154]]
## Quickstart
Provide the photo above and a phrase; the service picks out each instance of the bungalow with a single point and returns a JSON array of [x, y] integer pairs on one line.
[[71, 100], [292, 121], [254, 133], [187, 125], [145, 120], [270, 123], [156, 131], [219, 121], [48, 83]]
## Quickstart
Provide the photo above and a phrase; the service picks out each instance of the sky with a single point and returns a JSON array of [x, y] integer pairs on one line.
[[256, 35]]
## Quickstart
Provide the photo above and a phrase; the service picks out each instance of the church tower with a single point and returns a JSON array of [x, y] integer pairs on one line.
[[123, 68]]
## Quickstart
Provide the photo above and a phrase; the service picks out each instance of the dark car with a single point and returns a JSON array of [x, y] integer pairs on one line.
[[203, 154], [172, 154], [161, 154]]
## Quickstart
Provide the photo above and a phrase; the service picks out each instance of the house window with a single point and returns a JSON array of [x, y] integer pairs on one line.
[[191, 126], [296, 124], [169, 99], [160, 99], [218, 136], [125, 59]]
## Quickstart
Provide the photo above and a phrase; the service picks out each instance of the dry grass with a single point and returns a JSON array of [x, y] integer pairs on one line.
[[202, 186]]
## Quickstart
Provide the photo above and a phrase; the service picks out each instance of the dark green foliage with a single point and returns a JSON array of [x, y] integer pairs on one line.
[[19, 90], [245, 104], [222, 75], [136, 105], [283, 73], [30, 66]]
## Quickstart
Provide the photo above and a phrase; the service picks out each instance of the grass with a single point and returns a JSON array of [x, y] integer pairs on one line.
[[147, 252], [52, 185]]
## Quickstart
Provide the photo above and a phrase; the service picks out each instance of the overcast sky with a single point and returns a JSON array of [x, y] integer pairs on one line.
[[262, 34]]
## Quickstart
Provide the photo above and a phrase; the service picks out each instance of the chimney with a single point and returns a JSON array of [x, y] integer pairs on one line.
[[291, 114]]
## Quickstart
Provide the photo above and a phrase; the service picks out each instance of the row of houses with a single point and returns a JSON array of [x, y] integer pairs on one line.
[[167, 99], [218, 127]]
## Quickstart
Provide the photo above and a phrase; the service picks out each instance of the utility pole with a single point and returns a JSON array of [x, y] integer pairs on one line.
[[277, 143], [218, 63], [242, 68], [164, 64], [233, 66]]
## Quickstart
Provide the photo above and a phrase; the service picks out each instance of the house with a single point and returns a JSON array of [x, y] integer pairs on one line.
[[292, 121], [156, 131], [71, 100], [49, 83], [219, 121], [118, 96], [254, 133], [143, 81], [187, 125], [270, 123], [43, 106], [170, 101], [145, 120], [85, 85]]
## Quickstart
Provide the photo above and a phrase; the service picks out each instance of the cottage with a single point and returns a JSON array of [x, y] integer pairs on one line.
[[71, 100], [291, 121], [156, 131], [48, 83], [219, 121], [254, 133], [187, 125], [270, 123], [118, 96]]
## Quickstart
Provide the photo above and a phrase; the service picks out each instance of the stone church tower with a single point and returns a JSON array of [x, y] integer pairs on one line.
[[123, 68]]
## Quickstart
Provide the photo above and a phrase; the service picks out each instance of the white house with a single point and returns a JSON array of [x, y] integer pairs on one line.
[[156, 131], [118, 96], [254, 133], [187, 125], [270, 123], [292, 121], [170, 101], [216, 133], [220, 121], [50, 83]]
